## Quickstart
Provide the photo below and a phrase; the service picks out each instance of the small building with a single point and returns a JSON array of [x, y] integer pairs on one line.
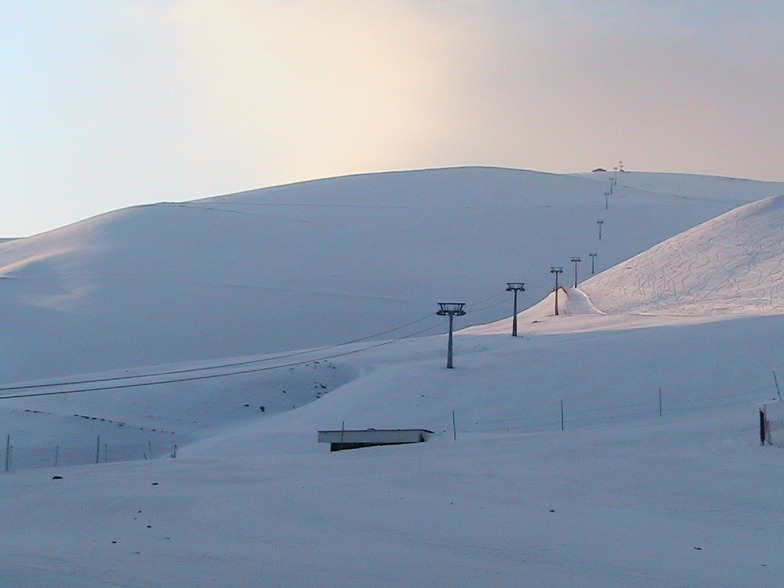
[[353, 439]]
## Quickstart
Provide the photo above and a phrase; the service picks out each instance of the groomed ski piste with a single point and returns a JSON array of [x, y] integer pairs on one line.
[[615, 444]]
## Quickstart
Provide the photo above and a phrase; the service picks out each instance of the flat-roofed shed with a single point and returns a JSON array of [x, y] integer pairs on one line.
[[353, 438]]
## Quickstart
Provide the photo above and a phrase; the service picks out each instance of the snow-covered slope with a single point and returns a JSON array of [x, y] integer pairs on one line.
[[321, 262], [622, 497], [733, 264], [601, 448]]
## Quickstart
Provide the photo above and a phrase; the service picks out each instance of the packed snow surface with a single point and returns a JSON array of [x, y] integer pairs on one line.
[[729, 265], [614, 444]]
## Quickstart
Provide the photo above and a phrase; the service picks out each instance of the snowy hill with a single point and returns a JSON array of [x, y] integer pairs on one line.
[[729, 265], [322, 262], [613, 445]]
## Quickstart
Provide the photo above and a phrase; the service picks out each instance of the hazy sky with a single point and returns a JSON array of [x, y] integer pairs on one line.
[[108, 103]]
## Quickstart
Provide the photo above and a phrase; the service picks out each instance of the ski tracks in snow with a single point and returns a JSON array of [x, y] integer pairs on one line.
[[732, 264], [578, 302]]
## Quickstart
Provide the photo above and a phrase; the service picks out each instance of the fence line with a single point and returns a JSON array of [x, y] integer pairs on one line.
[[562, 414], [23, 457]]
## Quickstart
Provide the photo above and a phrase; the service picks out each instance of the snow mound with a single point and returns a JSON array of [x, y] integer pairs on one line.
[[733, 264]]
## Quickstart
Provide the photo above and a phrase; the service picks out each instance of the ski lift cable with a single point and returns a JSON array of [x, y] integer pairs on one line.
[[207, 376]]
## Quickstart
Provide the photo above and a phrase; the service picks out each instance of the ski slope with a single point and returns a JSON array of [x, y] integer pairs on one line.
[[612, 445], [322, 262], [728, 265]]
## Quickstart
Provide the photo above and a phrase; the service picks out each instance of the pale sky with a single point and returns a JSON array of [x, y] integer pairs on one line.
[[109, 103]]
